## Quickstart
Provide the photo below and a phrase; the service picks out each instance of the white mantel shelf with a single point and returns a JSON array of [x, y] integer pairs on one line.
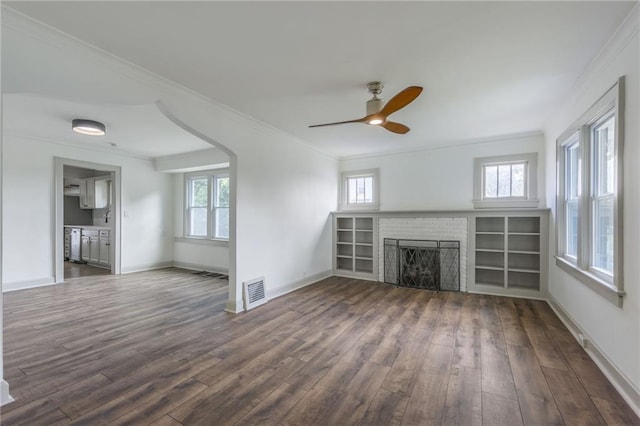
[[439, 213]]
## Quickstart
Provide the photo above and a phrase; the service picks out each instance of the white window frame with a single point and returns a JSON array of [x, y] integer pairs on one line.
[[212, 176], [344, 190], [610, 286], [530, 198]]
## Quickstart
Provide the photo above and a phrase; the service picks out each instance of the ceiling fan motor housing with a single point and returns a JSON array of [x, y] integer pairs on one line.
[[375, 104]]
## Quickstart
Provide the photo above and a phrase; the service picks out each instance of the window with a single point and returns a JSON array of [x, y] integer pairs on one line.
[[207, 205], [359, 190], [571, 196], [505, 181], [588, 233]]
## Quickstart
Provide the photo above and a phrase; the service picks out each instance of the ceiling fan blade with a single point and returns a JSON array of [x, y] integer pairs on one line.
[[401, 100], [395, 127], [359, 120]]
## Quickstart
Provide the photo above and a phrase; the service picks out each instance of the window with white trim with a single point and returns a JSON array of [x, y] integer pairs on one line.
[[505, 181], [359, 190], [589, 217], [207, 205]]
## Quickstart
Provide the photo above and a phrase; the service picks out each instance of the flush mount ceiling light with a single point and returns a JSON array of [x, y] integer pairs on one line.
[[88, 127]]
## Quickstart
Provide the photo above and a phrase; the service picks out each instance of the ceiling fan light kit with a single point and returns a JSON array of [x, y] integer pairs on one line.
[[378, 111]]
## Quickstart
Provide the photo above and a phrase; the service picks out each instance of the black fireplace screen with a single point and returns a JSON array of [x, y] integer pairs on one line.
[[428, 264]]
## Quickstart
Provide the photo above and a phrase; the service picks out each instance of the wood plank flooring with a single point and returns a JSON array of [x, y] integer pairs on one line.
[[157, 348], [75, 270]]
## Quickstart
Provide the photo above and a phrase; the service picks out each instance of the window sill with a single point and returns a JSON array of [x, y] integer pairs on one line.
[[505, 204], [202, 241], [592, 281], [356, 207]]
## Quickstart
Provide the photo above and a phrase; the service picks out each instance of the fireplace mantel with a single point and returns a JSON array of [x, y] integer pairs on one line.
[[443, 213]]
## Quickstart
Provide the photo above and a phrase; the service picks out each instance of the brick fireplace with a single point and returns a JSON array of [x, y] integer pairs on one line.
[[425, 228]]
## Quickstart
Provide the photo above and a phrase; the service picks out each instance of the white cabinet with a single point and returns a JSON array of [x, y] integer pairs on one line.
[[510, 254], [355, 246], [90, 246], [96, 247], [94, 193], [86, 246], [104, 256]]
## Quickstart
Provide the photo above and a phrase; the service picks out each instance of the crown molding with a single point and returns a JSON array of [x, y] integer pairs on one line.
[[613, 48], [452, 144]]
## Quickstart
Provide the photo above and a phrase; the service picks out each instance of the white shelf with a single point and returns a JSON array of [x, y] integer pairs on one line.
[[508, 251], [490, 268], [354, 250], [526, 271]]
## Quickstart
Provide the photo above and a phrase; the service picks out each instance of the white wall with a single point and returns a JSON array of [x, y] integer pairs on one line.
[[28, 210], [284, 192], [442, 178], [614, 331]]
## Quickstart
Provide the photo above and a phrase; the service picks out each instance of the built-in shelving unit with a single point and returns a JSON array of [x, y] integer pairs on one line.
[[508, 252], [503, 252], [355, 246]]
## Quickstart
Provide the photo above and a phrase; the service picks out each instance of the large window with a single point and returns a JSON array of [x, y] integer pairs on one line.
[[359, 190], [207, 205], [505, 181], [589, 216]]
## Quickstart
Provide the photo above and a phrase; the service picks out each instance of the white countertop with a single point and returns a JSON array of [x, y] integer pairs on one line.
[[90, 227]]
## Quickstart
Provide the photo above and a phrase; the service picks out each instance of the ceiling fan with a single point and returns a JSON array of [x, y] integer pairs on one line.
[[377, 113]]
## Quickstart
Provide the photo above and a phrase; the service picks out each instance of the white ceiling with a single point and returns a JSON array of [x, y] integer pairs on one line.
[[133, 130], [487, 68]]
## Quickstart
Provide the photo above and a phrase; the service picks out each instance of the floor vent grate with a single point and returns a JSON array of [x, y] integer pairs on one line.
[[255, 293]]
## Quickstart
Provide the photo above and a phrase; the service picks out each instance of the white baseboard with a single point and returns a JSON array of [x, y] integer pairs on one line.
[[147, 267], [619, 381], [196, 267], [505, 294], [272, 293], [5, 398], [22, 285], [237, 306], [234, 306]]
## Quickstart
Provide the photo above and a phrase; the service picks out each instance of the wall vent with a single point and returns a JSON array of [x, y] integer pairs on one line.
[[255, 293]]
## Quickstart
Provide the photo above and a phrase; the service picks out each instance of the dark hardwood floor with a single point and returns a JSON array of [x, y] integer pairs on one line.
[[157, 348]]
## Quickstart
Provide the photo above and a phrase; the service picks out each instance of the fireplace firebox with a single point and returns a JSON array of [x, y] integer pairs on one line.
[[427, 264]]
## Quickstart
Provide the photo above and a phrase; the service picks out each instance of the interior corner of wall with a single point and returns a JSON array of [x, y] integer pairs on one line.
[[234, 306]]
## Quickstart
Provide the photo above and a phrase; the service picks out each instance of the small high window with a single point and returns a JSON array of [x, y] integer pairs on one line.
[[505, 181], [359, 190]]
